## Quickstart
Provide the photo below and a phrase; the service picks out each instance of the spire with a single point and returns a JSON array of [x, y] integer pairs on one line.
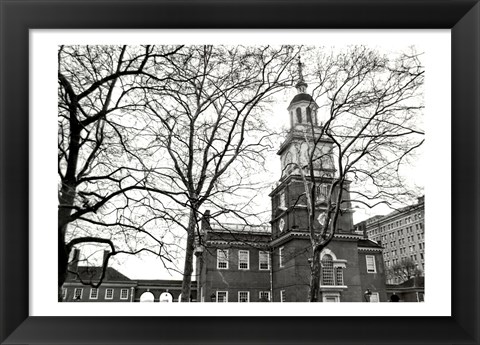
[[300, 73], [301, 85]]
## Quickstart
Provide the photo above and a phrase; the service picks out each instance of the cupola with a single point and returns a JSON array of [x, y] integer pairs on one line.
[[302, 108]]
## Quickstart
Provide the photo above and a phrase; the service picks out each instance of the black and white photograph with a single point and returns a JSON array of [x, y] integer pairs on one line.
[[241, 173]]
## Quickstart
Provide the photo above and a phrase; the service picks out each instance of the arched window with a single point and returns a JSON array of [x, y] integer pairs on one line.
[[309, 115], [322, 192], [299, 115], [327, 270], [147, 296], [166, 297]]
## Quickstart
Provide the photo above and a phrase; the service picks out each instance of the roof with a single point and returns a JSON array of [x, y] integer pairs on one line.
[[412, 282], [400, 211], [366, 243], [164, 283], [241, 228], [95, 272], [302, 97]]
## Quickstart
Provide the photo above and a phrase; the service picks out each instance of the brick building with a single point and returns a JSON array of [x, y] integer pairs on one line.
[[412, 290], [401, 233], [240, 264], [116, 287], [234, 263]]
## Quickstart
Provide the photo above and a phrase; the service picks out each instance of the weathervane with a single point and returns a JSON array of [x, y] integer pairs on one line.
[[300, 73]]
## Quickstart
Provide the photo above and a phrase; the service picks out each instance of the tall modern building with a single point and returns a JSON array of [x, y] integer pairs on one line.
[[241, 264], [402, 235]]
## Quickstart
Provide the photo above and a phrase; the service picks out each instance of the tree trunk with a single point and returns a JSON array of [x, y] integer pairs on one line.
[[188, 268], [62, 262], [66, 200], [315, 276], [67, 196]]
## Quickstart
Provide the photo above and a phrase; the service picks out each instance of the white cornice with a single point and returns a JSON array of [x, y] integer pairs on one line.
[[109, 284], [370, 249], [237, 243]]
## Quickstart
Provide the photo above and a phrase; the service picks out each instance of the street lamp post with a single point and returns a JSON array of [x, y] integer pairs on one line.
[[367, 295]]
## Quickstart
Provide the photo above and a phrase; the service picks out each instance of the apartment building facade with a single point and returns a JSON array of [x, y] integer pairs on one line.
[[402, 235]]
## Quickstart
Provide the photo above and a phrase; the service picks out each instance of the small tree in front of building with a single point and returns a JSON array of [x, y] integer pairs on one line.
[[404, 270]]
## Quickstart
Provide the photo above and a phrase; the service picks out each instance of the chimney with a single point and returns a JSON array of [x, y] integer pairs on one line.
[[206, 220], [73, 264], [363, 228]]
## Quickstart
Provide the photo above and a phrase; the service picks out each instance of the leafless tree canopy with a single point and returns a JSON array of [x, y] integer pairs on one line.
[[103, 189], [207, 126], [403, 270], [371, 106], [149, 134]]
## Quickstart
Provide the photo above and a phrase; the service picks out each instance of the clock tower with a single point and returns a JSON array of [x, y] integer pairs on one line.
[[289, 209], [290, 244]]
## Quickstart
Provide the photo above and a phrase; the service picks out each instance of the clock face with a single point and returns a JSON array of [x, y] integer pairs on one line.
[[321, 218], [281, 224]]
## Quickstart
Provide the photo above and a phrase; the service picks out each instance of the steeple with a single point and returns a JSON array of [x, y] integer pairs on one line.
[[301, 84], [302, 108]]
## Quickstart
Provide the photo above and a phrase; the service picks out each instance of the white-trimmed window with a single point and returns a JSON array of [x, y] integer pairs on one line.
[[280, 257], [109, 294], [322, 192], [93, 293], [124, 294], [283, 296], [339, 275], [264, 296], [78, 293], [264, 260], [371, 267], [243, 260], [327, 270], [222, 296], [64, 293], [282, 199], [331, 269], [374, 298], [331, 297], [222, 259], [244, 296]]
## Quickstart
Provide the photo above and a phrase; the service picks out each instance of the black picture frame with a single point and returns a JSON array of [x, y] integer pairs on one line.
[[17, 17]]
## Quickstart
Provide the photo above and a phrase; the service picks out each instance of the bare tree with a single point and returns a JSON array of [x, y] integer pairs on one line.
[[103, 178], [208, 131], [371, 106], [404, 270]]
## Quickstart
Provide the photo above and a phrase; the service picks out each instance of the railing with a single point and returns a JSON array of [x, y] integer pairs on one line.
[[241, 227]]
